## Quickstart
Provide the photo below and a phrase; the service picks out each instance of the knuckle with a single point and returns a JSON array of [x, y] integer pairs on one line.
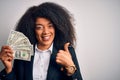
[[60, 51]]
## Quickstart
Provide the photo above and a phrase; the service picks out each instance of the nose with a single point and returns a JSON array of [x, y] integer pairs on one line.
[[45, 30]]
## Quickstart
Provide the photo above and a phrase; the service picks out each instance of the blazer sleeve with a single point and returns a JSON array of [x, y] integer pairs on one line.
[[5, 76], [77, 75]]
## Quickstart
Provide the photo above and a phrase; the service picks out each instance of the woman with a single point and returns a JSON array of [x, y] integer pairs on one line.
[[49, 28]]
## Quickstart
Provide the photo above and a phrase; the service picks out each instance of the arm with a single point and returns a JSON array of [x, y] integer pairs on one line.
[[6, 57], [77, 74], [67, 58], [7, 76]]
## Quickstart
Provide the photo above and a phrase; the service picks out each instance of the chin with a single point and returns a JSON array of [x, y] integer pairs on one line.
[[47, 43]]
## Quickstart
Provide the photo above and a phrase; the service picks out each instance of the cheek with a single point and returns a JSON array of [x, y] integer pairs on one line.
[[37, 33], [53, 32]]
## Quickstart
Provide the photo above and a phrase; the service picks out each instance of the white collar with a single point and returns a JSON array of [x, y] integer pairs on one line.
[[49, 49]]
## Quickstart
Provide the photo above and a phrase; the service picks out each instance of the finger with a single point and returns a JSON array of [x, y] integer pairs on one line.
[[7, 59], [10, 55], [61, 51], [10, 58], [5, 47], [61, 54], [4, 57], [66, 47], [58, 61], [60, 58], [8, 51]]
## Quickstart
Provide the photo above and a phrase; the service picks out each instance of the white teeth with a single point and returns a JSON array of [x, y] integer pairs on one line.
[[46, 38]]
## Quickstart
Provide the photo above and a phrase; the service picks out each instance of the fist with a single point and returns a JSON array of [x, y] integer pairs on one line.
[[6, 56], [64, 57]]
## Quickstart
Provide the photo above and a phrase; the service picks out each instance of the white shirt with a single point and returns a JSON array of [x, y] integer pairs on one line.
[[41, 63]]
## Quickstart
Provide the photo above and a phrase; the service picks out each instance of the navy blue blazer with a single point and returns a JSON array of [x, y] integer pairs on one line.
[[23, 70]]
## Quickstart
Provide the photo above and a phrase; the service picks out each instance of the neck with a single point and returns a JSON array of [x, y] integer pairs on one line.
[[43, 47]]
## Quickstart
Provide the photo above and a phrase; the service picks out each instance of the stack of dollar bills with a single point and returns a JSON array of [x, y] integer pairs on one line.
[[23, 49]]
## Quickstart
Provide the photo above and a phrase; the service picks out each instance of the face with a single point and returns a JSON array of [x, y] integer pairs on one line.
[[45, 32]]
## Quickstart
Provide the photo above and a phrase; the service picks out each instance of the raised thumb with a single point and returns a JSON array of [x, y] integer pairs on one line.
[[66, 46]]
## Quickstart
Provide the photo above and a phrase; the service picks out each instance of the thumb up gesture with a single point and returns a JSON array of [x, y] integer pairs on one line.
[[64, 57]]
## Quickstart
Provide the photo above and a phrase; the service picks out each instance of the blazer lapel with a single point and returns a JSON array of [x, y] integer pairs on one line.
[[51, 69]]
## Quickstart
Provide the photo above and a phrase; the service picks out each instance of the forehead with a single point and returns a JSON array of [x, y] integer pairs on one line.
[[42, 20]]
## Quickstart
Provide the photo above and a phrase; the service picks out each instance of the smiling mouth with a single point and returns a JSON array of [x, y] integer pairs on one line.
[[45, 38]]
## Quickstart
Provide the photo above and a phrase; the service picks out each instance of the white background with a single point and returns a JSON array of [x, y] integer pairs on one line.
[[97, 29]]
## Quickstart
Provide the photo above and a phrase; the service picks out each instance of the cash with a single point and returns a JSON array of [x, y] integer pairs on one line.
[[23, 49]]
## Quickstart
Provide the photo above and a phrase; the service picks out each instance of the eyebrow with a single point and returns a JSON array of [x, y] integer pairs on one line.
[[47, 24], [38, 24]]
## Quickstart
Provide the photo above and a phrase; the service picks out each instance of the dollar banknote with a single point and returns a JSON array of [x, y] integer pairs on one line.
[[21, 45], [22, 55], [22, 42], [27, 47], [11, 36]]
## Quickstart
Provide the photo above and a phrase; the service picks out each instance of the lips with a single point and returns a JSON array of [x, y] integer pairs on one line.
[[45, 38]]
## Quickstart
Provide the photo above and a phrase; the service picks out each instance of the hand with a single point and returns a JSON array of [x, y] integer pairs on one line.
[[64, 57], [6, 56]]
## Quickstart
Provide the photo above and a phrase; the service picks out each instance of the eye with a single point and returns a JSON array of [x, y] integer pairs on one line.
[[38, 27], [51, 25]]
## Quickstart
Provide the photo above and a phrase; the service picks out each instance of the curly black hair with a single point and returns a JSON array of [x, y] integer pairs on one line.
[[58, 15]]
